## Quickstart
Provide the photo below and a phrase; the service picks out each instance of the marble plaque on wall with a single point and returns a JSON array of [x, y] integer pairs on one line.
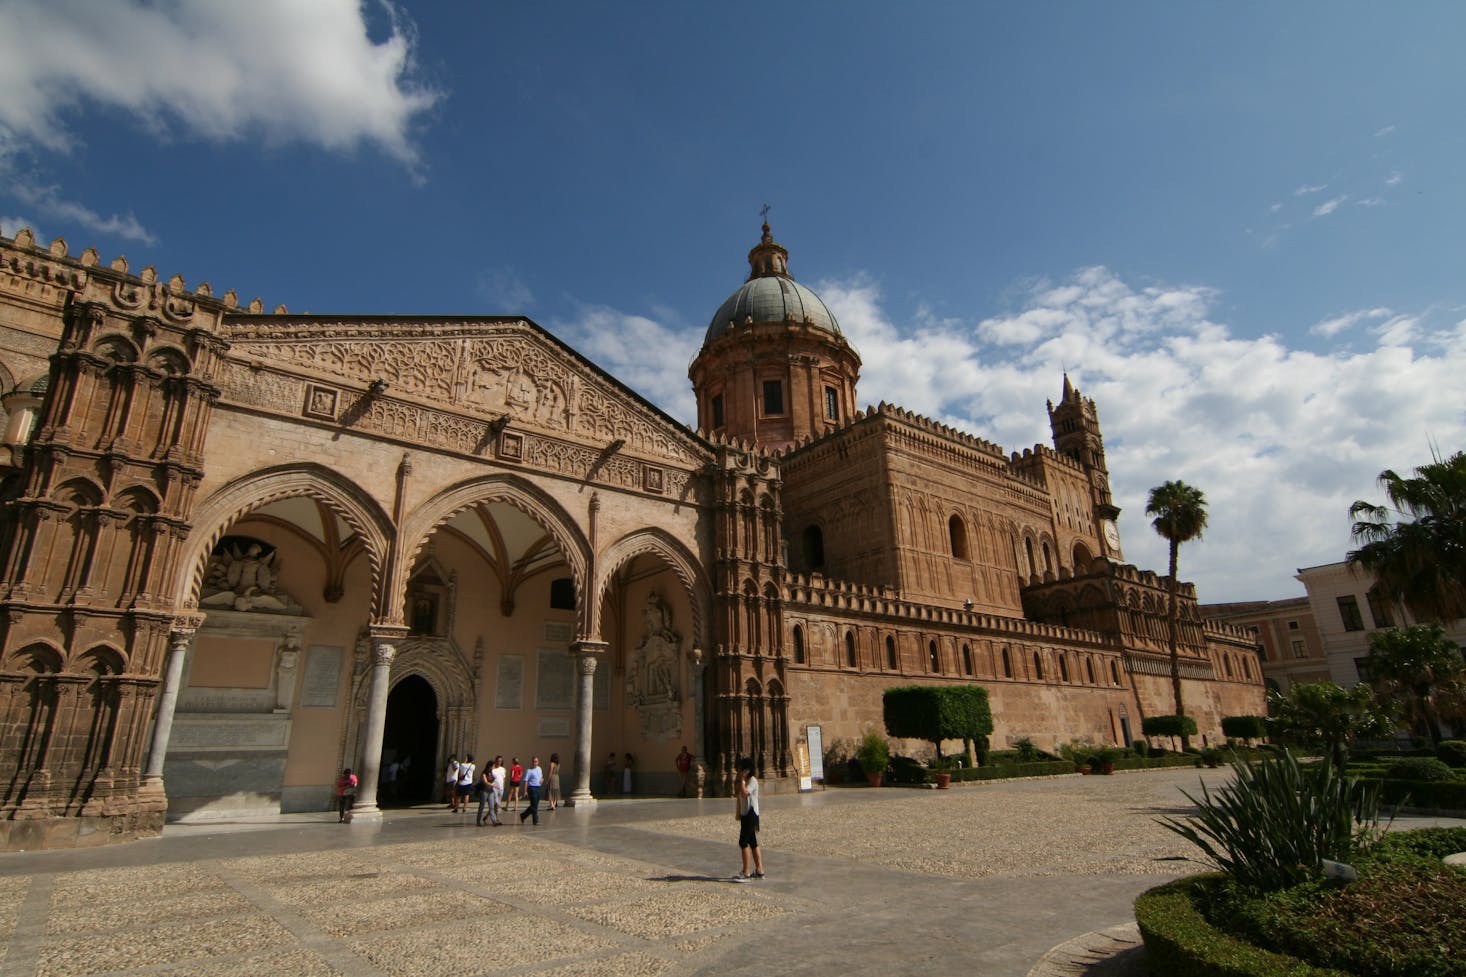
[[322, 681], [559, 632], [509, 687], [554, 727], [554, 680]]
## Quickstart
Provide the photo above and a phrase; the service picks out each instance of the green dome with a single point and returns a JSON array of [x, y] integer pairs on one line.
[[770, 295], [772, 299]]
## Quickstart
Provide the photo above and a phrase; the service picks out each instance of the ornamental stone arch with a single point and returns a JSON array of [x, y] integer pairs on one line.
[[510, 489], [666, 547], [229, 504], [454, 684]]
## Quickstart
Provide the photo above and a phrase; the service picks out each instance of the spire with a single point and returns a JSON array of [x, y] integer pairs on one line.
[[1069, 392], [768, 258]]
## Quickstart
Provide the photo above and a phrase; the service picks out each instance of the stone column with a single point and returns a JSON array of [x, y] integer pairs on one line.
[[588, 655], [384, 649], [179, 640], [698, 661]]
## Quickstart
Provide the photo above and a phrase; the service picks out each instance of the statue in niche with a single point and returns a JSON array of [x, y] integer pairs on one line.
[[652, 683], [241, 576]]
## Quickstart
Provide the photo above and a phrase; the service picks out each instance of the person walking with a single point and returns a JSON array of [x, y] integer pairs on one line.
[[626, 775], [497, 774], [450, 782], [684, 773], [464, 788], [533, 780], [345, 796], [748, 821], [516, 781], [610, 770], [552, 780]]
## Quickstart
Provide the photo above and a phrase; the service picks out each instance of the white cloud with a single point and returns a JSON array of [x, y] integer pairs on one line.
[[9, 225], [1394, 179], [1275, 208], [1281, 440], [504, 291], [1333, 326], [1329, 206], [1370, 202], [277, 70], [649, 356], [1306, 189], [48, 200], [1385, 131]]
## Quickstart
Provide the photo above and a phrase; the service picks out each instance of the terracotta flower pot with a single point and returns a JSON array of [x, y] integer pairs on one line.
[[943, 780], [874, 779]]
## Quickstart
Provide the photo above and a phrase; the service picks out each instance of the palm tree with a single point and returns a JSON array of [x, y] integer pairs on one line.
[[1420, 563], [1180, 517], [1322, 715], [1418, 664]]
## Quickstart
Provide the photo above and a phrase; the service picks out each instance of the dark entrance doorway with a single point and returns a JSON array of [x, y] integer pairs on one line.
[[411, 742]]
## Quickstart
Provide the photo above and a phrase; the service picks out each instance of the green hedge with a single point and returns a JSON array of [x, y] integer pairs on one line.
[[1003, 771], [1149, 762], [937, 712], [1444, 795], [1179, 940]]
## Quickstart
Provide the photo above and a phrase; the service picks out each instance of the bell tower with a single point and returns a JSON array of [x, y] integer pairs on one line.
[[774, 369], [1076, 429]]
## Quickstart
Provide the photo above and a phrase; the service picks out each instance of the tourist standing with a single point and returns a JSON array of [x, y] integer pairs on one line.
[[533, 780], [684, 773], [552, 780], [345, 795], [466, 770], [610, 770], [626, 775], [516, 780], [748, 821], [450, 782]]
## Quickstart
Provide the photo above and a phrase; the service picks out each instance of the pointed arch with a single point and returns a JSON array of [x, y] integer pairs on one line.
[[228, 504], [657, 542], [509, 489]]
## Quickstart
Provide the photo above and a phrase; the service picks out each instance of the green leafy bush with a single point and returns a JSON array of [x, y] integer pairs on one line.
[[905, 770], [1168, 726], [1438, 795], [1277, 819], [1419, 768], [1244, 727], [1452, 752], [1141, 747], [1431, 844], [937, 712]]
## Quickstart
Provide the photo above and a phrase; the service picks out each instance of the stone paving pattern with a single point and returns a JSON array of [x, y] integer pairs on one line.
[[981, 879]]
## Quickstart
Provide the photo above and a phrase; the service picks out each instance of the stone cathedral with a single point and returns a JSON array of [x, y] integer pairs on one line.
[[243, 549]]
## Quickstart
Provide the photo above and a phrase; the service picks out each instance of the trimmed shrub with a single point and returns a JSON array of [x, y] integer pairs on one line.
[[1419, 768], [1168, 726], [1244, 727], [1141, 747], [1154, 762], [936, 713], [905, 770], [1179, 940], [1452, 752], [1436, 795]]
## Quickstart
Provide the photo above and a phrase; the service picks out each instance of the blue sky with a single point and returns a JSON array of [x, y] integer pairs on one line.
[[1238, 226]]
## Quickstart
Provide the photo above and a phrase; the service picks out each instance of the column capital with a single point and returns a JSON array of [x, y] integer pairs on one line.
[[181, 632], [586, 646], [387, 632]]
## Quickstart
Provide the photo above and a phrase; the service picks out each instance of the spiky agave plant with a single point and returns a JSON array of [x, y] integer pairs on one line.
[[1276, 822]]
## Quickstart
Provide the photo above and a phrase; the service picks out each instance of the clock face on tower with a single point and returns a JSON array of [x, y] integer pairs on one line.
[[1111, 533]]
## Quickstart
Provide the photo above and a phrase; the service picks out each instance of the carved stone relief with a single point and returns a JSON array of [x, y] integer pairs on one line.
[[654, 672]]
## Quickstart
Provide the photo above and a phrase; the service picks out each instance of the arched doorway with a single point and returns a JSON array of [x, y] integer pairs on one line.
[[411, 741]]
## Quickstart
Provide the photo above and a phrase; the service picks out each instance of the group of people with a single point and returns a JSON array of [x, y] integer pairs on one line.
[[624, 784], [464, 781]]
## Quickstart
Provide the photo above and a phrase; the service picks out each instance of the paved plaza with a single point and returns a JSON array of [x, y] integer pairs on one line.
[[983, 879]]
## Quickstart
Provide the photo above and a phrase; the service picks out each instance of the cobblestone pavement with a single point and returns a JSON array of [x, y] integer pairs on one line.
[[977, 880]]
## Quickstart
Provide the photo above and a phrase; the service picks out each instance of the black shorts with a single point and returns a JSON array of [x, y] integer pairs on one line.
[[748, 831], [464, 789]]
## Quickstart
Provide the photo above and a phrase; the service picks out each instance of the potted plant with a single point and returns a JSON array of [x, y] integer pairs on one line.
[[1102, 759], [1079, 753], [942, 771], [874, 753]]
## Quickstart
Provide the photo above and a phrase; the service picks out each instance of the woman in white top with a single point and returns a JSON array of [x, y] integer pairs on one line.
[[450, 782], [466, 770], [748, 820]]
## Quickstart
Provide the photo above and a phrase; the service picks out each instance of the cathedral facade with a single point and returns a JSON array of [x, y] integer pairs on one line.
[[245, 549]]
